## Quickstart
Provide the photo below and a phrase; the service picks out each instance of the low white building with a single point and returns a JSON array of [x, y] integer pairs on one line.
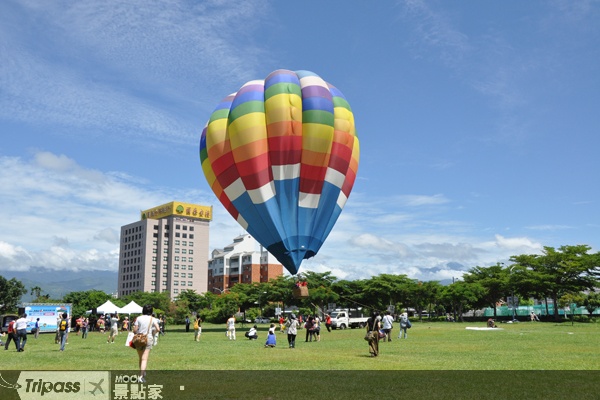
[[243, 261]]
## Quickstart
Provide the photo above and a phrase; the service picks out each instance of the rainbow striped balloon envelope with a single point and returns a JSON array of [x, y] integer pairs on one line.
[[282, 154]]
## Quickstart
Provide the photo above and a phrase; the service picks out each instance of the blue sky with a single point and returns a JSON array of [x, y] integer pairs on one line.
[[478, 123]]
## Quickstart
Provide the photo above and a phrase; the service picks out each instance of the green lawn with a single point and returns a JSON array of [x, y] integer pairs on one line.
[[430, 346], [438, 361]]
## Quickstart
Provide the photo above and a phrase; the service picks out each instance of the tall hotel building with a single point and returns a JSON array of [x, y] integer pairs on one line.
[[166, 250]]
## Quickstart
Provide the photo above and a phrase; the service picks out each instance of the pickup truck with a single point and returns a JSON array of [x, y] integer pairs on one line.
[[348, 318]]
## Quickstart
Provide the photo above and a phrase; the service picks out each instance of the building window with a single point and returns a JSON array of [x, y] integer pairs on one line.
[[177, 234], [191, 259], [153, 258], [166, 251], [191, 235], [183, 259], [166, 242], [154, 251], [183, 274], [175, 291], [176, 258], [184, 243], [153, 283], [177, 251], [190, 283], [176, 275], [176, 266], [191, 244], [190, 276], [164, 274], [190, 267], [154, 274], [191, 251], [165, 258], [177, 226], [191, 228], [175, 283], [177, 243], [183, 251]]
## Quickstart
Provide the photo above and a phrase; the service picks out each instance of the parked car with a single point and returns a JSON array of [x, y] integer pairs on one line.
[[262, 320]]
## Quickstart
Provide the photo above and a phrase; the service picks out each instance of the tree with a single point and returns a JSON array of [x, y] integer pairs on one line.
[[494, 281], [570, 269], [10, 293], [591, 302], [462, 296], [86, 300]]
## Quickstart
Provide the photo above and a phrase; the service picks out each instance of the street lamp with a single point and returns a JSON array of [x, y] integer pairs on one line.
[[259, 303], [512, 287]]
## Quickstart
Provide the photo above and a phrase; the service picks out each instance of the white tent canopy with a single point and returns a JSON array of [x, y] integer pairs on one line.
[[106, 308], [131, 308]]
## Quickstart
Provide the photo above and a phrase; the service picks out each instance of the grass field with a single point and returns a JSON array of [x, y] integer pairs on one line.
[[430, 346], [437, 361]]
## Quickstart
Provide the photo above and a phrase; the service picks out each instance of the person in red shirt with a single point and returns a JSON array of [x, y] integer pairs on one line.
[[12, 335], [281, 323], [328, 322]]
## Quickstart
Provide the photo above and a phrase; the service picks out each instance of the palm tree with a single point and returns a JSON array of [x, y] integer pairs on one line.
[[37, 291]]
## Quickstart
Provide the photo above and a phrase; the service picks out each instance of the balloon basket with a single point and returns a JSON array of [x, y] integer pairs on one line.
[[300, 292]]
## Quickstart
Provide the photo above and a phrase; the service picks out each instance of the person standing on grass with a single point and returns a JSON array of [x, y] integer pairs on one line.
[[63, 330], [197, 328], [84, 328], [37, 328], [309, 328], [292, 330], [231, 328], [187, 323], [373, 325], [317, 328], [145, 324], [114, 328]]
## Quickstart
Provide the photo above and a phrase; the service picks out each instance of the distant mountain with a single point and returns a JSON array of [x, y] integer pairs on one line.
[[58, 283]]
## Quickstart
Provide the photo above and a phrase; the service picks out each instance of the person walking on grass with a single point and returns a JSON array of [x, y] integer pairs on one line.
[[21, 330], [12, 335], [292, 330], [145, 324], [373, 326], [404, 325], [388, 322], [114, 328]]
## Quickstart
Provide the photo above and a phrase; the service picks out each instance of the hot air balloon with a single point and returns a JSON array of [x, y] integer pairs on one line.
[[281, 155]]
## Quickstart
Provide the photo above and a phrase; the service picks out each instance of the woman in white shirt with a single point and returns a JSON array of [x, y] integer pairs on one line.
[[144, 324]]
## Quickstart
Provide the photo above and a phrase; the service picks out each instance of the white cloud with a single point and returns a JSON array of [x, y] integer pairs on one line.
[[89, 65]]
